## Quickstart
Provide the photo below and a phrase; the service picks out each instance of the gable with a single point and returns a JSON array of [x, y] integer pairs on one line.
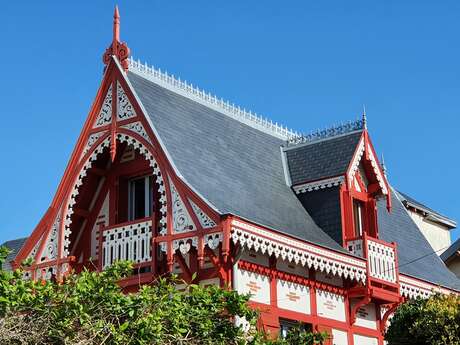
[[115, 122], [321, 159]]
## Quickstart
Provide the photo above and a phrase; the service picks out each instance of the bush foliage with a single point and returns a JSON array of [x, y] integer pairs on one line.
[[91, 308], [426, 321]]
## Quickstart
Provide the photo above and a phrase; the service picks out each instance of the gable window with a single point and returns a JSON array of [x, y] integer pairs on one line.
[[140, 197], [358, 214]]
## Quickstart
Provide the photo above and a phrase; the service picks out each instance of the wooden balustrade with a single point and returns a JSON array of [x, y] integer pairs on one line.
[[128, 241], [380, 255]]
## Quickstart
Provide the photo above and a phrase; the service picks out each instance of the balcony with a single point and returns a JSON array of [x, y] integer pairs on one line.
[[127, 241], [381, 260]]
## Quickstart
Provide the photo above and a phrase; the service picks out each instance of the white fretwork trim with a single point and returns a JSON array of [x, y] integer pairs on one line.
[[317, 185], [34, 251], [45, 273], [105, 114], [91, 141], [376, 167], [203, 218], [184, 245], [356, 160], [213, 240], [263, 241], [137, 127], [182, 222], [188, 90], [88, 164], [125, 109], [412, 288], [51, 246]]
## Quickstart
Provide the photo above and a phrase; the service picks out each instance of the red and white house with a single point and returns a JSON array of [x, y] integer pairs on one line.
[[178, 180]]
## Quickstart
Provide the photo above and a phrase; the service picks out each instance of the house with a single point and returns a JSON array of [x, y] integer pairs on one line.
[[177, 180], [434, 226]]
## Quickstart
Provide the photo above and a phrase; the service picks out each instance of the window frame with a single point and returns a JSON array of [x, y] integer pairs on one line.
[[148, 197]]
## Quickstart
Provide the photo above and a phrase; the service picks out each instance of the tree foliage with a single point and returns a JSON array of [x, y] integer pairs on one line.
[[91, 308], [426, 321]]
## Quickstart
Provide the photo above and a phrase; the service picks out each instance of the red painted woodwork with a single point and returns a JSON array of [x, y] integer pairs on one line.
[[109, 175]]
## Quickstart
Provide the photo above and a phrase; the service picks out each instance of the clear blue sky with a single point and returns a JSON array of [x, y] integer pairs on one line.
[[306, 64]]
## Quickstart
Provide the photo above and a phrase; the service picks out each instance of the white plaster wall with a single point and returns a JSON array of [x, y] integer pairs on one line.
[[255, 257], [293, 297], [257, 285], [289, 267], [366, 315], [339, 337], [437, 235], [330, 305], [329, 278], [362, 340]]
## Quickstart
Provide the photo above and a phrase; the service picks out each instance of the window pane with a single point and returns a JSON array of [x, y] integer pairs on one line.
[[139, 198], [358, 217]]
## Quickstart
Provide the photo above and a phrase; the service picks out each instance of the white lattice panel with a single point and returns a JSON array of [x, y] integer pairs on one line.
[[381, 261], [131, 242]]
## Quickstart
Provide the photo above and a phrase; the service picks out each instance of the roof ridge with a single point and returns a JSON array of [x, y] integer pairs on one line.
[[328, 133], [205, 98]]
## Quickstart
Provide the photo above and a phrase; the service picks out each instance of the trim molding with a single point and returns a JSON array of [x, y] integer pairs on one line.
[[299, 252], [320, 184]]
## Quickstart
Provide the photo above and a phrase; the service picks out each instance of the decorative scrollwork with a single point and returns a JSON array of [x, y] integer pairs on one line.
[[51, 246], [213, 240], [105, 114], [203, 218], [182, 222], [137, 127], [125, 109]]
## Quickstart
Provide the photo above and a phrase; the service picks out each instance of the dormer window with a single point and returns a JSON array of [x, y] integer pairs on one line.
[[140, 197], [358, 214]]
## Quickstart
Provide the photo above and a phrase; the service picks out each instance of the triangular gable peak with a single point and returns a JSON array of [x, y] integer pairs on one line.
[[365, 174], [116, 129]]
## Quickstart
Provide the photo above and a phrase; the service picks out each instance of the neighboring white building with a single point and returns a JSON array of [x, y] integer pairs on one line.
[[433, 225], [451, 257]]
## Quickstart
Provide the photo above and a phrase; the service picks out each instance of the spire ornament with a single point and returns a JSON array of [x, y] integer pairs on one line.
[[117, 48], [364, 117], [384, 167]]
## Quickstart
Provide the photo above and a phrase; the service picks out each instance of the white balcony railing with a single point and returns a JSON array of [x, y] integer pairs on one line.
[[130, 241], [381, 257]]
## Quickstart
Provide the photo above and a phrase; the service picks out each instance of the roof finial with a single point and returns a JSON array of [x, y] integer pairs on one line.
[[384, 167], [364, 117], [117, 48], [116, 25]]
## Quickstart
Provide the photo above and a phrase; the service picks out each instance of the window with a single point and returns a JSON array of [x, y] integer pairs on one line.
[[358, 213], [286, 325], [140, 197]]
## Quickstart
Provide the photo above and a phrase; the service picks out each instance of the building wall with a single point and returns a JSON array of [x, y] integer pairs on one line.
[[325, 307], [437, 235]]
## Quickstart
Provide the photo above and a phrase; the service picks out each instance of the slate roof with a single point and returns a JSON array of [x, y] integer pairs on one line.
[[238, 169], [14, 246], [435, 215], [451, 251], [235, 167], [322, 159], [415, 255]]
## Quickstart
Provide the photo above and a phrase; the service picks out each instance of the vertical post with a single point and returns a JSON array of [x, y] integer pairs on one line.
[[100, 249]]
